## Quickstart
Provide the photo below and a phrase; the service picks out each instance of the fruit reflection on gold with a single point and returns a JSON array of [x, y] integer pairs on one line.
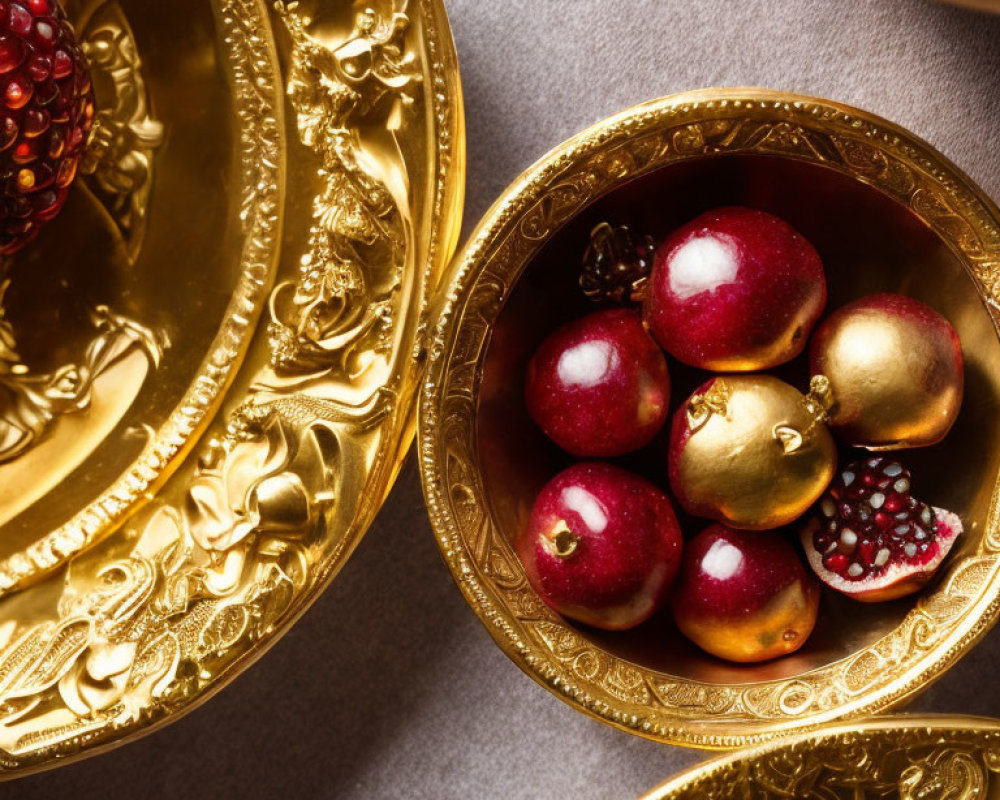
[[895, 371], [751, 451], [744, 596]]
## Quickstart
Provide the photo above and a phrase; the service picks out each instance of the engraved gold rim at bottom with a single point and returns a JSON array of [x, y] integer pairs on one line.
[[894, 757], [860, 149]]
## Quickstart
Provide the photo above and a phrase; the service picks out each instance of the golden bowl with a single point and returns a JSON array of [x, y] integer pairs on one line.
[[887, 213], [939, 757]]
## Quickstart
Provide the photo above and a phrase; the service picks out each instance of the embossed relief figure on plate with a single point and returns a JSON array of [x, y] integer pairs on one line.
[[146, 630], [340, 308]]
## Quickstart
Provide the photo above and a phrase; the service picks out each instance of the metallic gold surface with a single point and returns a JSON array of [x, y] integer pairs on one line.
[[906, 401], [775, 629], [210, 501], [894, 758], [757, 455], [887, 213]]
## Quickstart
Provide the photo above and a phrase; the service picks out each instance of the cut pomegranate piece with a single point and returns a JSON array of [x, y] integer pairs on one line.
[[869, 538]]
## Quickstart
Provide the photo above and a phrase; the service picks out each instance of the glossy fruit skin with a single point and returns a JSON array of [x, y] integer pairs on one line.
[[896, 372], [599, 386], [602, 546], [46, 112], [870, 522], [735, 290], [744, 596], [729, 462]]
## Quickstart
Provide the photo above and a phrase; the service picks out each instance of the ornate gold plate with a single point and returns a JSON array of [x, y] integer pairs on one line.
[[888, 213], [208, 362], [895, 758]]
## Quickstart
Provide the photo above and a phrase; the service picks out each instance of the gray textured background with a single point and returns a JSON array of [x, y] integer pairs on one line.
[[390, 687]]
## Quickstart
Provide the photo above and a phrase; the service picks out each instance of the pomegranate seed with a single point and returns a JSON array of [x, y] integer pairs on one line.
[[866, 551], [47, 204], [11, 53], [46, 111], [44, 34], [836, 563], [39, 68], [19, 20], [8, 132], [66, 173], [36, 122], [25, 153], [18, 93]]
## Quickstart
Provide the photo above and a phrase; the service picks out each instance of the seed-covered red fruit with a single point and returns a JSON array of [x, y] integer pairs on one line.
[[870, 538], [599, 385], [744, 596], [735, 289], [895, 368], [46, 111], [602, 546]]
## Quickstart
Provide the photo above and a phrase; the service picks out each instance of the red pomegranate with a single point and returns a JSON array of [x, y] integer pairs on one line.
[[871, 539], [734, 290], [46, 111], [602, 546], [599, 385], [744, 596]]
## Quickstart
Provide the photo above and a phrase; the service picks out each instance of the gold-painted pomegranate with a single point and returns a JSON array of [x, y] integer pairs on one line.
[[895, 371], [752, 451]]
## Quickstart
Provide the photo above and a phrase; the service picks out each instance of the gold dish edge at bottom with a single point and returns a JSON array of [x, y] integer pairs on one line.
[[908, 757]]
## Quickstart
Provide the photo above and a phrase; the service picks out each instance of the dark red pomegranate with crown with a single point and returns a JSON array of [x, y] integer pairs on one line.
[[46, 112]]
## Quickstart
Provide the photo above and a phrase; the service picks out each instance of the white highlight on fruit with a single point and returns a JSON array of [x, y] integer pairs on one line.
[[587, 506], [848, 537], [586, 364], [902, 485], [855, 570], [701, 265], [847, 478], [882, 557], [877, 500], [910, 549], [722, 561]]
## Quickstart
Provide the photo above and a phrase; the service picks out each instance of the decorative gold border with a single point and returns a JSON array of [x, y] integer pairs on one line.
[[942, 625], [942, 757]]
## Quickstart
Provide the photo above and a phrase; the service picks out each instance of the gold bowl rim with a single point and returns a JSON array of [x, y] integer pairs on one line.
[[874, 754], [942, 626]]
